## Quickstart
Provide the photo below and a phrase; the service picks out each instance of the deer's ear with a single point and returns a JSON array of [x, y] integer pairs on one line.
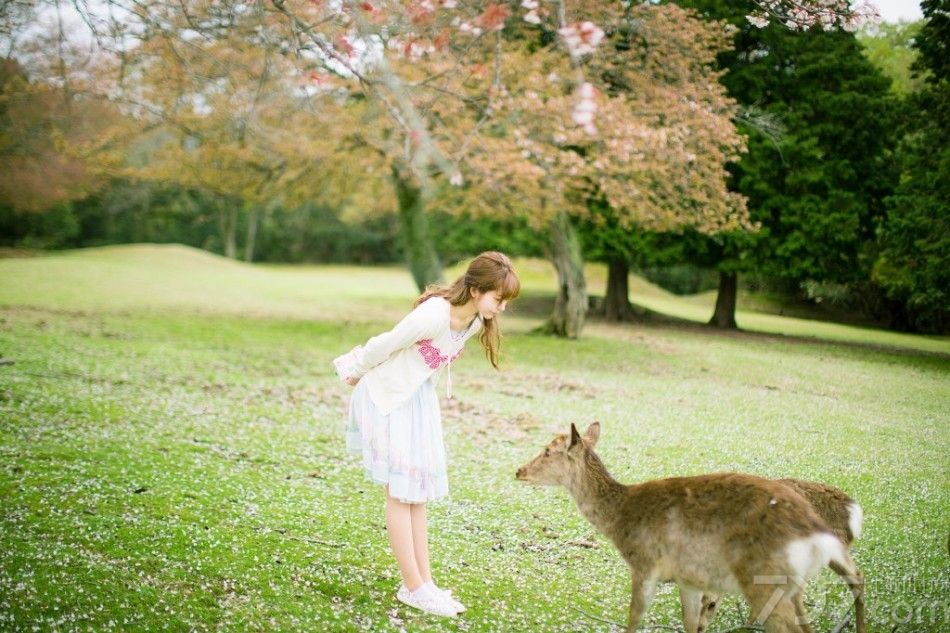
[[593, 433], [575, 437]]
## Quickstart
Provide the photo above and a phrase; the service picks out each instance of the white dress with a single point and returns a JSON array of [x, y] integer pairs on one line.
[[404, 449]]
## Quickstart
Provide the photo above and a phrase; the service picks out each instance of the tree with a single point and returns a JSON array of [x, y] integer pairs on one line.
[[913, 265], [230, 121], [413, 60], [655, 156], [816, 188], [42, 140], [685, 178]]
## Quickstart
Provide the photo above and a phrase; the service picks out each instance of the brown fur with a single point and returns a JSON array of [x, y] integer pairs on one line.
[[709, 534], [832, 505]]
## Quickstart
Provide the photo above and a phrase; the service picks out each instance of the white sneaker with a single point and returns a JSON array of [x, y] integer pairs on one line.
[[426, 600], [447, 594]]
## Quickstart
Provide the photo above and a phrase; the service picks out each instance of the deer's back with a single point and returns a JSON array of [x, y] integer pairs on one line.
[[731, 512], [835, 508]]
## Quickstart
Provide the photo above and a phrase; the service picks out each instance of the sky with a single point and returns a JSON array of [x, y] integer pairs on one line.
[[894, 10]]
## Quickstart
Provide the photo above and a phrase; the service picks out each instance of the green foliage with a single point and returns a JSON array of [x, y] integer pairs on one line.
[[682, 279], [55, 228], [913, 265], [818, 191], [458, 237], [890, 48], [141, 211], [817, 187], [604, 238], [658, 256], [314, 233], [934, 39]]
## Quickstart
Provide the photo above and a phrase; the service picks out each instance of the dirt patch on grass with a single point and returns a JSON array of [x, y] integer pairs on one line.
[[533, 385], [484, 426]]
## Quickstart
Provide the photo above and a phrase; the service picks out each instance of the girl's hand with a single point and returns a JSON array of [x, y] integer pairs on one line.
[[352, 381]]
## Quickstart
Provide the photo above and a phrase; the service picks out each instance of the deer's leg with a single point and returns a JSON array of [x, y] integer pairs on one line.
[[784, 619], [855, 580], [692, 602], [710, 606], [641, 594], [773, 606], [800, 615]]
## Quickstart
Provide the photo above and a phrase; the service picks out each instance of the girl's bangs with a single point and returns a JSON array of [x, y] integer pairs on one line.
[[510, 286]]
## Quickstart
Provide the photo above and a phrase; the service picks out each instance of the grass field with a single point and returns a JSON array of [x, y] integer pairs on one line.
[[171, 453]]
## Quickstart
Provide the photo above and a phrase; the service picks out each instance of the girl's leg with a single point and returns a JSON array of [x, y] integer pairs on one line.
[[420, 540], [399, 528]]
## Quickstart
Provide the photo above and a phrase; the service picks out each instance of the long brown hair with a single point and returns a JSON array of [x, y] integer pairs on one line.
[[488, 272]]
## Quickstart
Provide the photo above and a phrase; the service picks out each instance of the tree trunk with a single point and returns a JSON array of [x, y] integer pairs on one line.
[[253, 220], [571, 304], [617, 302], [227, 223], [725, 314], [423, 260]]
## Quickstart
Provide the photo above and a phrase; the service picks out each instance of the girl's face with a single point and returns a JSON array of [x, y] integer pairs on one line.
[[489, 304]]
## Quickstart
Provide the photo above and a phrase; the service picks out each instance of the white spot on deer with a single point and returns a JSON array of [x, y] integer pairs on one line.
[[806, 556], [855, 520]]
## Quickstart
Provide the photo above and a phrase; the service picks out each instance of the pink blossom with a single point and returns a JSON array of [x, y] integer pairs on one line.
[[803, 14], [581, 39], [584, 109]]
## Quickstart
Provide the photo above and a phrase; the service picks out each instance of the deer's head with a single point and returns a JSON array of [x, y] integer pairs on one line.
[[560, 460]]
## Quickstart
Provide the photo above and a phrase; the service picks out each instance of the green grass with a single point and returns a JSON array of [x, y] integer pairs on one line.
[[171, 451]]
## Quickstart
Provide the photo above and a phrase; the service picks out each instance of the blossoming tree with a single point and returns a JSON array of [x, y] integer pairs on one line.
[[452, 78]]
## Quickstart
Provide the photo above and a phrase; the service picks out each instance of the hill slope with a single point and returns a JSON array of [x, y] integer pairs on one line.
[[159, 278]]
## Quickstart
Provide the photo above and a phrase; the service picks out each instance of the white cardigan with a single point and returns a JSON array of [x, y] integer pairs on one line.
[[396, 363]]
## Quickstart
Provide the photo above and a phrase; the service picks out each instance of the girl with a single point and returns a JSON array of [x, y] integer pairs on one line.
[[394, 417]]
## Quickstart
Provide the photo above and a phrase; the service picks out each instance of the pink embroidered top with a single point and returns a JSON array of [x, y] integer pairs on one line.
[[396, 363]]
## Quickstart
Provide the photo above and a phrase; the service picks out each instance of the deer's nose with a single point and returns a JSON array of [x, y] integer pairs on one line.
[[521, 473]]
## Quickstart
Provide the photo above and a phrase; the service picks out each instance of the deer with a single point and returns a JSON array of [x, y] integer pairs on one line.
[[710, 534], [844, 517]]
